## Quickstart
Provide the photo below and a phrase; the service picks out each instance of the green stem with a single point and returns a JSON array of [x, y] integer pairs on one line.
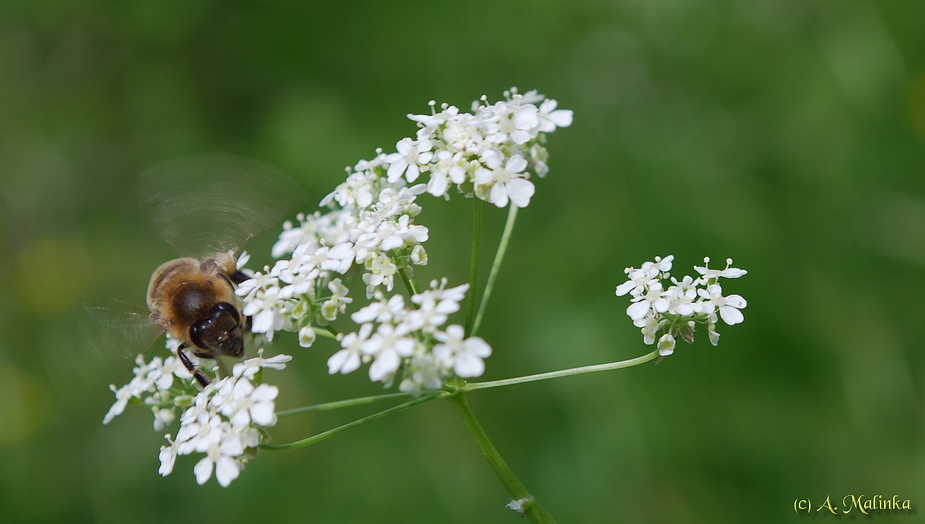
[[410, 283], [531, 508], [493, 273], [340, 429], [474, 264], [340, 404], [474, 385], [563, 373]]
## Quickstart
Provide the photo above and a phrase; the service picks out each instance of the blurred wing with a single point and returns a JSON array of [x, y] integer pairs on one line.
[[118, 329], [204, 204]]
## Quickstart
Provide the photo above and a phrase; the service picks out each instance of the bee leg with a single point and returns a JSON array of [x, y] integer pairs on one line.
[[200, 377]]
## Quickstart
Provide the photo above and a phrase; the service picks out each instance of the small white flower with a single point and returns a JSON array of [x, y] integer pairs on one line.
[[163, 418], [436, 305], [711, 275], [347, 360], [681, 297], [226, 468], [409, 159], [337, 303], [519, 127], [639, 278], [728, 306], [424, 372], [391, 310], [660, 266], [419, 256], [167, 457], [539, 155], [449, 167], [506, 181], [263, 408], [435, 120], [652, 300], [251, 286], [150, 379], [550, 118], [306, 337], [666, 345], [649, 327], [123, 395], [266, 310], [388, 345], [463, 356], [462, 134], [250, 367], [381, 272]]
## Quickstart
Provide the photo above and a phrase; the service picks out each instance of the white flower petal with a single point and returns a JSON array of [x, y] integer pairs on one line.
[[468, 366], [385, 365], [625, 287], [203, 470], [478, 347], [344, 361], [240, 419], [731, 315], [265, 393], [736, 301], [520, 191], [232, 447], [263, 321], [264, 414], [498, 195], [638, 310], [561, 117], [168, 457], [516, 164], [525, 117], [520, 137], [226, 471]]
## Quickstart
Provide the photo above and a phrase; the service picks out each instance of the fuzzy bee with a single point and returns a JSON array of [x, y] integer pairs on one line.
[[208, 206]]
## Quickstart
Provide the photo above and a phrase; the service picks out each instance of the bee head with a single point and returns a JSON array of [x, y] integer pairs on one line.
[[219, 333]]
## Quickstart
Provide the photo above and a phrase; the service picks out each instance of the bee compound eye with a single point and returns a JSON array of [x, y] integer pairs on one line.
[[224, 313], [198, 334]]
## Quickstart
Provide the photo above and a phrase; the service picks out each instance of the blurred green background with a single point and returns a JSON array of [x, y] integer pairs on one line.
[[789, 135]]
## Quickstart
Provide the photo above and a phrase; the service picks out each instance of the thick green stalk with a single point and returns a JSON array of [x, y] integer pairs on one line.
[[531, 508]]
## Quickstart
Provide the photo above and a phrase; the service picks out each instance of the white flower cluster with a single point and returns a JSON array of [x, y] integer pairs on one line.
[[368, 224], [674, 310], [224, 420], [391, 335], [490, 154], [153, 385], [486, 152]]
